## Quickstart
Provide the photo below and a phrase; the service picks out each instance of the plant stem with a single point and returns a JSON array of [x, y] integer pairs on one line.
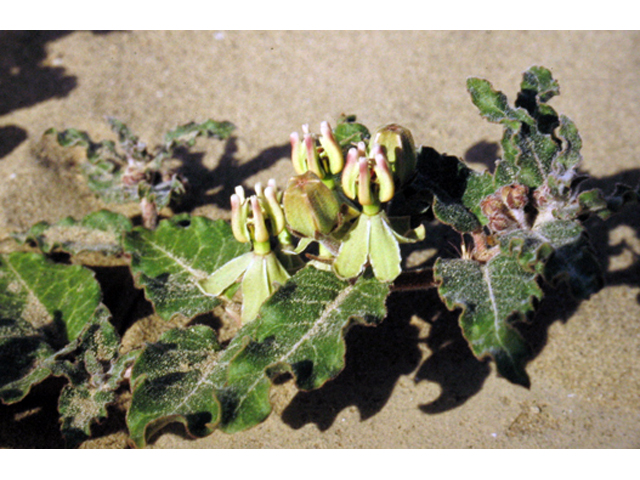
[[149, 214]]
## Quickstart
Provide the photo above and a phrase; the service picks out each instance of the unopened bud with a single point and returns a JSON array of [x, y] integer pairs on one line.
[[310, 207], [399, 148], [515, 196]]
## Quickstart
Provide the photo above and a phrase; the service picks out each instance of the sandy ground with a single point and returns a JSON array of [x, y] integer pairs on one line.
[[410, 383]]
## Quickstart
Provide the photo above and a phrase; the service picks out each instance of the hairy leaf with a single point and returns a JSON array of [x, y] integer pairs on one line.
[[100, 231], [453, 187], [95, 372], [300, 329], [24, 358], [493, 104], [491, 297], [174, 380], [169, 262], [187, 134], [60, 298]]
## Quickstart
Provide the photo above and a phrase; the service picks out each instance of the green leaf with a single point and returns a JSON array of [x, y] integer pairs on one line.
[[348, 133], [169, 262], [24, 358], [570, 155], [540, 81], [577, 265], [491, 297], [454, 187], [537, 244], [59, 297], [100, 231], [174, 380], [560, 251], [493, 104], [95, 373], [187, 134], [300, 329]]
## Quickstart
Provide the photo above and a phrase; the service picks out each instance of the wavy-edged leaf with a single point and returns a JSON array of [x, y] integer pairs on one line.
[[62, 298], [539, 80], [559, 250], [493, 104], [452, 187], [300, 329], [24, 358], [187, 134], [100, 231], [95, 371], [491, 297], [174, 380], [533, 247], [169, 262]]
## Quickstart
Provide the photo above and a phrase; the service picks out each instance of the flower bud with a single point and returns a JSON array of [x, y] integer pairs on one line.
[[398, 146], [515, 196], [310, 207]]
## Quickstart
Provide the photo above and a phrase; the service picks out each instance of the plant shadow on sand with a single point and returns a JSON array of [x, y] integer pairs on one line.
[[225, 176]]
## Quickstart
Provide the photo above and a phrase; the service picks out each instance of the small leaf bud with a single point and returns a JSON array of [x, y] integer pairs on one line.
[[515, 196]]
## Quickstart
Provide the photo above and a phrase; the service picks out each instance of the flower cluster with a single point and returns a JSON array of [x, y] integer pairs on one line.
[[337, 203]]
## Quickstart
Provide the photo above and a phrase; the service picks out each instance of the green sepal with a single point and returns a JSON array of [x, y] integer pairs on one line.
[[228, 274], [354, 251], [263, 276]]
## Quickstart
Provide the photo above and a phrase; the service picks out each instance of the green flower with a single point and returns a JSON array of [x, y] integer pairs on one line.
[[257, 219]]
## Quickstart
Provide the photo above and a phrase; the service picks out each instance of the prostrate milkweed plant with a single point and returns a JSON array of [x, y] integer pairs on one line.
[[303, 261]]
